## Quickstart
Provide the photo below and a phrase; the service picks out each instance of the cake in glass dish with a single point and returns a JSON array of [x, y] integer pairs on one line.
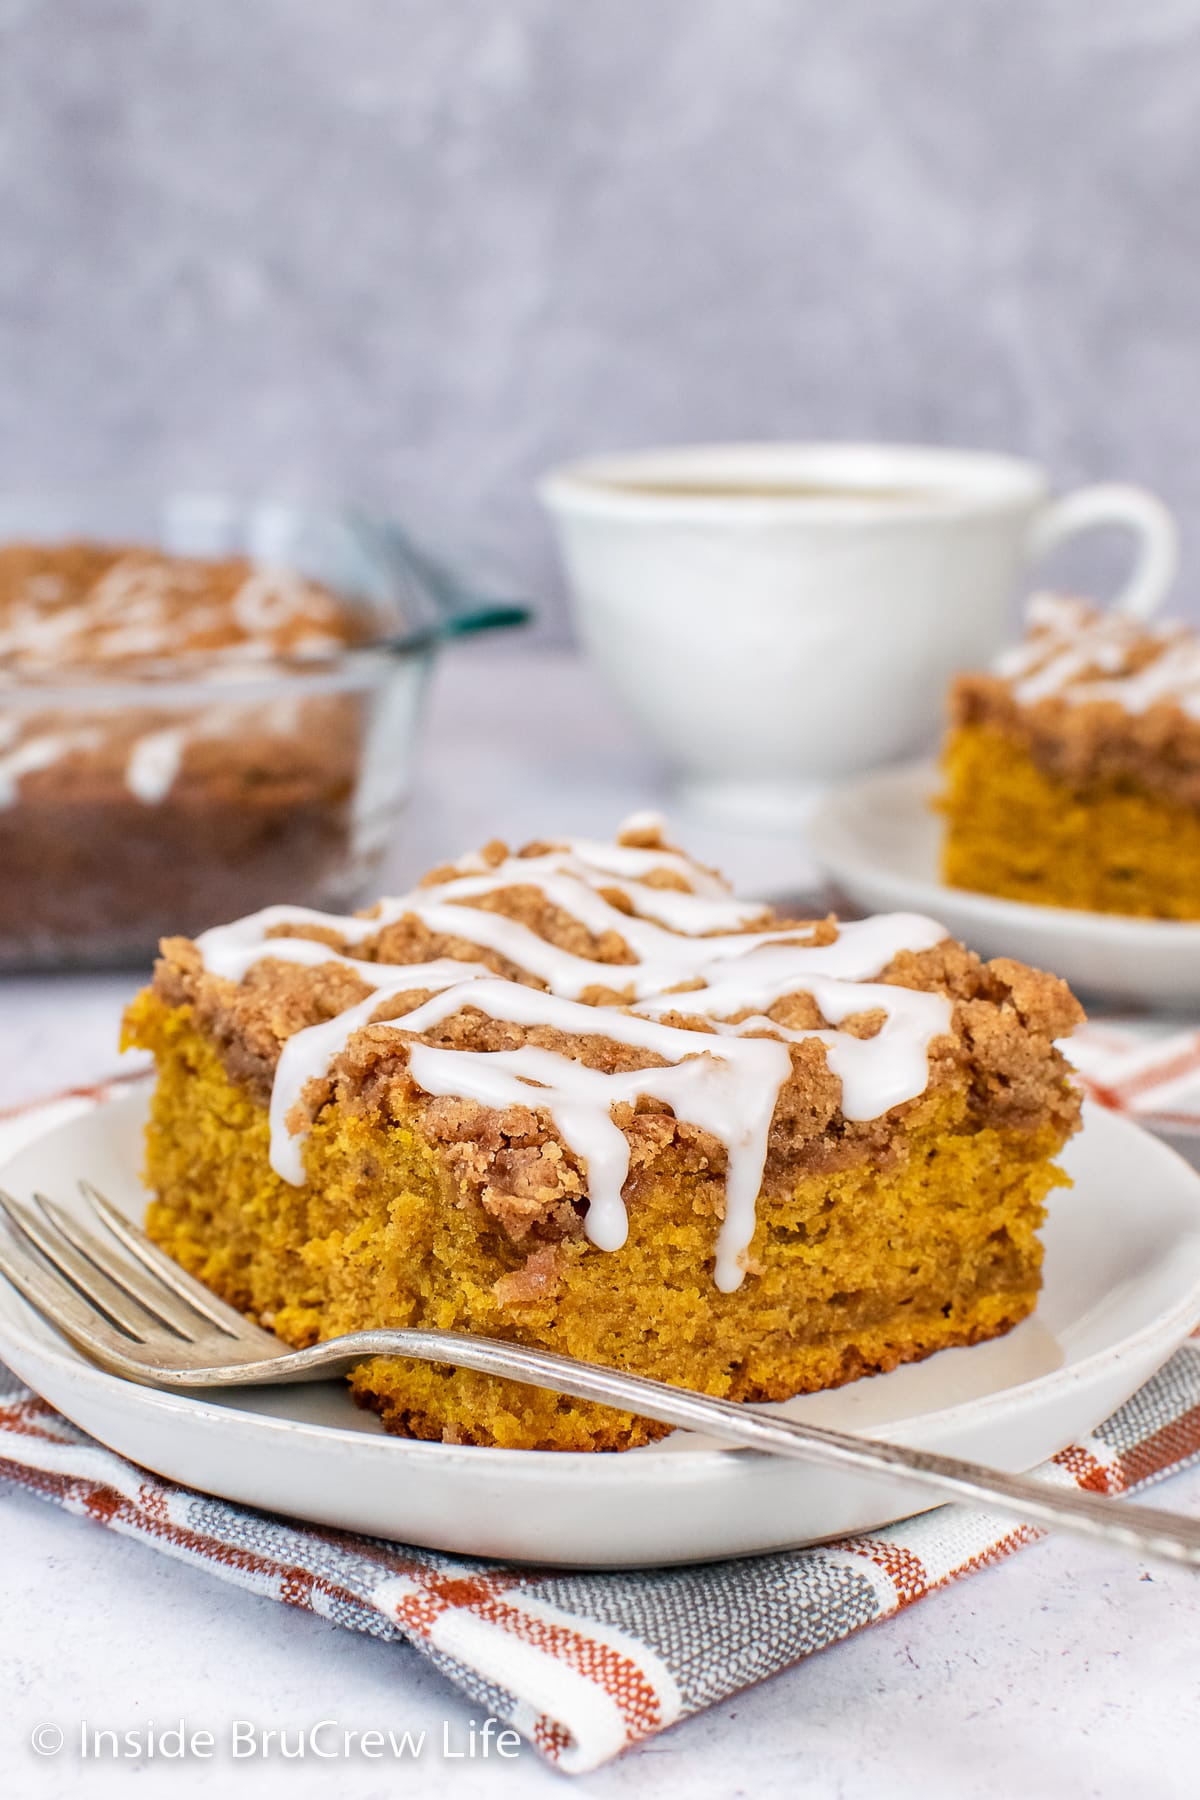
[[192, 726], [1072, 767], [584, 1098]]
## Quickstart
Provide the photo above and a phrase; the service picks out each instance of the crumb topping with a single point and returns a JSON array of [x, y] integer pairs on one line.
[[1095, 696], [987, 1047], [84, 603]]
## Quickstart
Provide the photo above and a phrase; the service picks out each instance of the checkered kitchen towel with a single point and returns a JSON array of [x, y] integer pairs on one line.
[[585, 1665]]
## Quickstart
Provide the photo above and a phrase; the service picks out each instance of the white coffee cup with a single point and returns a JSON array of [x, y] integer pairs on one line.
[[777, 615]]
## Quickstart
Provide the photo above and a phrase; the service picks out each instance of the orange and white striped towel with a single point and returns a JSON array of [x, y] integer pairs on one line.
[[1147, 1069]]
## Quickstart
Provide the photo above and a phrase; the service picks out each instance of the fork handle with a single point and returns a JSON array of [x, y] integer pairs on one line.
[[1142, 1529]]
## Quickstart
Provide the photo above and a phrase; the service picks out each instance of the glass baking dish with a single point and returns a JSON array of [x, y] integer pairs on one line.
[[163, 794]]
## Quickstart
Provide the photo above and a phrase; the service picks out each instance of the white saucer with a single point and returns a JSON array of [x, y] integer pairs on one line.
[[1122, 1291], [878, 839]]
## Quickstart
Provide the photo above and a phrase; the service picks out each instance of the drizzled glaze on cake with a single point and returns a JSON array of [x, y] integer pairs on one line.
[[689, 955], [80, 605], [87, 609], [1078, 655]]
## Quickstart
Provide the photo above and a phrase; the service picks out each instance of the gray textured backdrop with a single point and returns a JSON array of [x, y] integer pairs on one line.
[[418, 249]]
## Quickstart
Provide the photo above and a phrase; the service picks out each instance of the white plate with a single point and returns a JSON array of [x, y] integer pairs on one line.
[[878, 838], [1122, 1290]]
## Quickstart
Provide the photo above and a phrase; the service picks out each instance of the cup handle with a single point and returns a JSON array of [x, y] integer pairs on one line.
[[1136, 510]]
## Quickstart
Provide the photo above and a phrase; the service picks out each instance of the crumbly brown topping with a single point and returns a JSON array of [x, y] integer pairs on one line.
[[1000, 1060], [85, 610], [83, 603], [998, 1063], [1093, 697]]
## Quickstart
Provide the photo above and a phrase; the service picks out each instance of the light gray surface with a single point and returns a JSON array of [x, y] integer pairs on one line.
[[1063, 1674], [420, 248]]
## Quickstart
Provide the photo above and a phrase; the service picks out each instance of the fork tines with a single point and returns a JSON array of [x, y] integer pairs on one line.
[[112, 1286]]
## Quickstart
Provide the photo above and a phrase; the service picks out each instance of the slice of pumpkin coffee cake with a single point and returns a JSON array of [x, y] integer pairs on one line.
[[584, 1098]]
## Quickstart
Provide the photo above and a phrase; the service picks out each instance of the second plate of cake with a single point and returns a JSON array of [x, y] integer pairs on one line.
[[878, 839]]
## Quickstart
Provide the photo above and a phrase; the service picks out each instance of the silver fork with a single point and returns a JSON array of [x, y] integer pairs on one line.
[[136, 1312]]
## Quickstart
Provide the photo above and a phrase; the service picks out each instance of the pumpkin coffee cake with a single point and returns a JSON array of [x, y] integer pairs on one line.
[[1072, 767], [162, 762], [583, 1098]]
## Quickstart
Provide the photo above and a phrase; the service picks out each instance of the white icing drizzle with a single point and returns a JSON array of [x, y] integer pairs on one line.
[[269, 599], [151, 604], [876, 1072], [724, 1080], [1078, 655], [725, 1086], [666, 958], [154, 763]]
